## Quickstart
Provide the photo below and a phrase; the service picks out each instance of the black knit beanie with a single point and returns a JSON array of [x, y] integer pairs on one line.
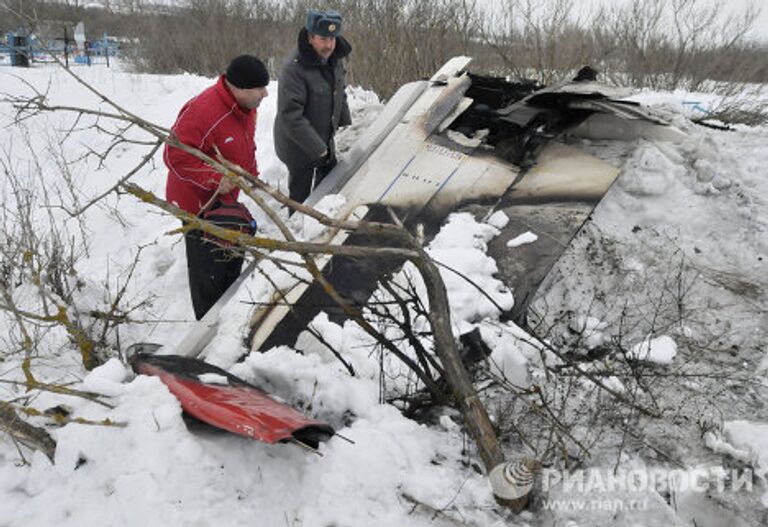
[[246, 72]]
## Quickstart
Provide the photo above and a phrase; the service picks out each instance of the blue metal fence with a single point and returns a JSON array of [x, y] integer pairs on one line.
[[19, 49]]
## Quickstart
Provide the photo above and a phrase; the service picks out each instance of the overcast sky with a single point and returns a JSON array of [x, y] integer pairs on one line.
[[759, 30]]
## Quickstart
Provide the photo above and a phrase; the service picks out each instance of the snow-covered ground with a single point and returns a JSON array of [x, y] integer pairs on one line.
[[672, 270], [705, 202]]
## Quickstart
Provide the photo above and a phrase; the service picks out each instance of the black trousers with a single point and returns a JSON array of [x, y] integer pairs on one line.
[[211, 270], [302, 180]]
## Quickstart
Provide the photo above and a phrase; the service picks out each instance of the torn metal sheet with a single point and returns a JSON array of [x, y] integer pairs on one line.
[[224, 401], [458, 139]]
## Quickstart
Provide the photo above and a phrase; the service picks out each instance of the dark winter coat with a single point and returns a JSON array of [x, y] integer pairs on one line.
[[213, 118], [311, 104]]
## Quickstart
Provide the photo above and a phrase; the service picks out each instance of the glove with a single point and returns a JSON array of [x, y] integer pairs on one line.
[[328, 161]]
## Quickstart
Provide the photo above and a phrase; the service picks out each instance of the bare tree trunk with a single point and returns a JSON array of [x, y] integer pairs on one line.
[[23, 432], [475, 416]]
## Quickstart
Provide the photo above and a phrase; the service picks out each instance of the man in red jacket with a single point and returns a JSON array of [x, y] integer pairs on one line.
[[222, 117]]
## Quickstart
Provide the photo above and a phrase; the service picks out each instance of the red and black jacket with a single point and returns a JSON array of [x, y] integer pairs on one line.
[[213, 118]]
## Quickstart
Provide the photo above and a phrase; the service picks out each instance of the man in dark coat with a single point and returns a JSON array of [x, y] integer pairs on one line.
[[220, 119], [312, 102]]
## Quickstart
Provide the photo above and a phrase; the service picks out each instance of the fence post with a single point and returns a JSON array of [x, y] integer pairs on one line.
[[66, 48], [106, 47], [9, 43]]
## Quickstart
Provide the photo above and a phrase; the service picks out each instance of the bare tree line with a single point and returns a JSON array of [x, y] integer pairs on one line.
[[659, 44]]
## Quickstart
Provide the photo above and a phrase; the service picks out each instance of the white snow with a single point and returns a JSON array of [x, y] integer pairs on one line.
[[308, 228], [661, 350], [746, 441], [751, 436], [498, 219], [523, 239], [107, 379], [592, 329], [461, 244], [707, 197], [213, 378]]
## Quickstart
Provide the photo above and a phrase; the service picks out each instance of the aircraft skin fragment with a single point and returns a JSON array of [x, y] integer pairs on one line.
[[607, 126], [563, 173], [370, 139], [230, 403], [447, 143]]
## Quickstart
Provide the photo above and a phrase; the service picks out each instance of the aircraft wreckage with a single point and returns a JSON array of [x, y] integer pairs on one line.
[[455, 140]]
